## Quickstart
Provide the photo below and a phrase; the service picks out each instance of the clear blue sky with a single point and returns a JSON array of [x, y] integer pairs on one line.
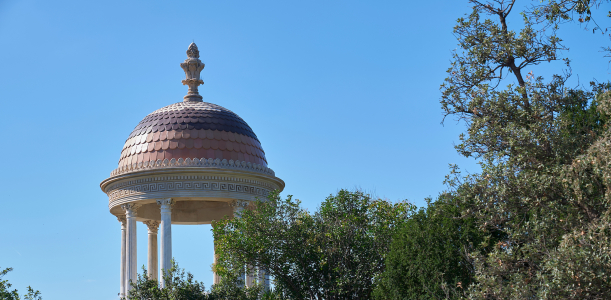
[[342, 94]]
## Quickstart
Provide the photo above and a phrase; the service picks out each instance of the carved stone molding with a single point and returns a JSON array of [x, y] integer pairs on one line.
[[153, 226], [190, 178], [194, 163], [193, 186]]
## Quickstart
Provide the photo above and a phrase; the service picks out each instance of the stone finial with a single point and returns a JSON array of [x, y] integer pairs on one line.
[[193, 52], [192, 67]]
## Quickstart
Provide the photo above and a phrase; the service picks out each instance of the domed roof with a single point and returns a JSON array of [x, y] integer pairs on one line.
[[192, 129], [202, 156]]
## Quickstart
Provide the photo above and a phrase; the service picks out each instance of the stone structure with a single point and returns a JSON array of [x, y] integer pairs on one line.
[[191, 162]]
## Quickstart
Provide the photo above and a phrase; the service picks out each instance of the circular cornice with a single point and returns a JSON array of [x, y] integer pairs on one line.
[[179, 181]]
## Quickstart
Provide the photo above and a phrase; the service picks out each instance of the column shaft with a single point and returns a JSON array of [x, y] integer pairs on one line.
[[165, 206], [238, 207], [215, 277], [123, 257], [131, 262], [263, 279], [250, 276], [152, 265]]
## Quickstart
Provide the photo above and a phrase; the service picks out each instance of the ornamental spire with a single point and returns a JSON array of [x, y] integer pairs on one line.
[[192, 67]]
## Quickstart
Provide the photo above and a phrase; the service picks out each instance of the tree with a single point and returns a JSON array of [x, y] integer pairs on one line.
[[563, 11], [7, 294], [335, 253], [179, 285], [428, 257], [541, 146]]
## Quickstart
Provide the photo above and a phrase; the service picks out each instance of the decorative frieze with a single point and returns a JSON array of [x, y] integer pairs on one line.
[[188, 185], [183, 178], [195, 163]]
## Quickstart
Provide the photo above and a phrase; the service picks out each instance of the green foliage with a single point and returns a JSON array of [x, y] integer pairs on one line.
[[335, 253], [555, 12], [428, 258], [7, 294], [543, 149], [580, 265], [179, 285]]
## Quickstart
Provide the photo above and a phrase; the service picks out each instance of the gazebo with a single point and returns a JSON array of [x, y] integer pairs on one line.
[[190, 163]]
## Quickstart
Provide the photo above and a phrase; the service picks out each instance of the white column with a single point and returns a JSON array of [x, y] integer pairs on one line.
[[215, 277], [238, 207], [152, 266], [131, 263], [165, 206], [122, 219], [264, 279], [250, 276]]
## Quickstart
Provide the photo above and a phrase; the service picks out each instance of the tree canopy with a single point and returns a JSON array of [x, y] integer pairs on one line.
[[180, 285], [7, 294], [541, 145], [333, 253]]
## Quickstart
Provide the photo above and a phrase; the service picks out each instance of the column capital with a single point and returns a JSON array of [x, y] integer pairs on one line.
[[152, 225], [166, 201], [122, 219], [165, 205], [238, 206], [131, 209]]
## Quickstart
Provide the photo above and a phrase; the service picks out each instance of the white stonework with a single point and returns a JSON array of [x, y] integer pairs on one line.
[[264, 279], [152, 266], [131, 263], [165, 206], [122, 277]]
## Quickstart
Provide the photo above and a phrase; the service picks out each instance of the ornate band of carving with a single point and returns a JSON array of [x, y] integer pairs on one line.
[[193, 162], [190, 178]]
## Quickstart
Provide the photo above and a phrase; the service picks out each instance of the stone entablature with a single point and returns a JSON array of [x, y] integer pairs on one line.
[[200, 183]]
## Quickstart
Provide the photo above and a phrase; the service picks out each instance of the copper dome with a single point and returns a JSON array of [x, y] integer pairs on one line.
[[201, 158], [192, 129]]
